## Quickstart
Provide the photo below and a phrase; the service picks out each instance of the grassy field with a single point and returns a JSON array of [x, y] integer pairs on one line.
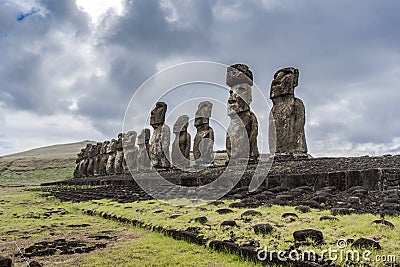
[[25, 219], [33, 171], [46, 164], [347, 227]]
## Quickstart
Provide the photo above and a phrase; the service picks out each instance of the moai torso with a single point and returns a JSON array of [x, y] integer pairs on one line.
[[85, 161], [160, 140], [103, 158], [287, 117], [77, 171], [130, 152], [97, 159], [180, 155], [119, 157], [241, 139], [203, 145], [111, 151], [143, 161], [90, 167]]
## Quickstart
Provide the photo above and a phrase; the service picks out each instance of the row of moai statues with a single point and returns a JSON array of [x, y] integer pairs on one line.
[[286, 131], [119, 155]]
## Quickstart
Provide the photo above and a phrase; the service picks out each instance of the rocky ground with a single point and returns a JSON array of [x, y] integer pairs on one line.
[[382, 198]]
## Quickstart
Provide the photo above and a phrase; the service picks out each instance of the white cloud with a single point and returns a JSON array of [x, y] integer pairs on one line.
[[23, 130], [97, 8]]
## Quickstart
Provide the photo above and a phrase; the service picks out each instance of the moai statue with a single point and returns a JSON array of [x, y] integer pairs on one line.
[[204, 139], [111, 151], [241, 138], [159, 142], [143, 161], [287, 117], [97, 159], [180, 154], [103, 158], [119, 157], [85, 161], [91, 154], [77, 171], [130, 152]]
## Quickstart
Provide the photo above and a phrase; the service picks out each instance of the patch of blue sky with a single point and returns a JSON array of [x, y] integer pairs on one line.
[[23, 16]]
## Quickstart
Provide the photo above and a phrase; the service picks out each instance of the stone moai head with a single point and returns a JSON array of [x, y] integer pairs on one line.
[[203, 113], [144, 137], [80, 154], [240, 78], [157, 117], [93, 150], [130, 139], [86, 150], [104, 147], [112, 146], [285, 80], [181, 124], [119, 141], [98, 148]]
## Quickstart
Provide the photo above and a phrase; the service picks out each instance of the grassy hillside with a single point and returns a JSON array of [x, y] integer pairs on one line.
[[46, 164], [55, 151]]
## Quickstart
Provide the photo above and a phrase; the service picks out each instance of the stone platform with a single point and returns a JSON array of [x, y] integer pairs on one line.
[[373, 173], [342, 185]]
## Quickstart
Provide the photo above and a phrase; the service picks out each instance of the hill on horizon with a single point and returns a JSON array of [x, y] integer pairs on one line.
[[39, 165], [68, 150]]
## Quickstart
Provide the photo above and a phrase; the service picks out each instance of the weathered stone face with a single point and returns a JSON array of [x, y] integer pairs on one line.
[[181, 124], [239, 98], [119, 156], [130, 152], [97, 159], [104, 158], [204, 110], [91, 155], [79, 160], [111, 151], [241, 138], [204, 139], [144, 137], [285, 80], [159, 142], [158, 114], [85, 161], [287, 117], [201, 121], [143, 160], [180, 155]]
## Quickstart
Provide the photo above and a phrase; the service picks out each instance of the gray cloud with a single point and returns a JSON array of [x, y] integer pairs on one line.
[[56, 62]]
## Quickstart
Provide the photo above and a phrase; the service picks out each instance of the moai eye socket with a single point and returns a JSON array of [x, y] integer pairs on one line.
[[241, 90]]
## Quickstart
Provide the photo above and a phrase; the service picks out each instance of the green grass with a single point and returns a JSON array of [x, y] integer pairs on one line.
[[22, 219], [33, 171], [348, 227]]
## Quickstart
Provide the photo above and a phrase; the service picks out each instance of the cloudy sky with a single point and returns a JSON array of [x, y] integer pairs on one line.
[[69, 69]]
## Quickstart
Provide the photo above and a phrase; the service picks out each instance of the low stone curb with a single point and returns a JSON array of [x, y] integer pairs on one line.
[[247, 252]]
